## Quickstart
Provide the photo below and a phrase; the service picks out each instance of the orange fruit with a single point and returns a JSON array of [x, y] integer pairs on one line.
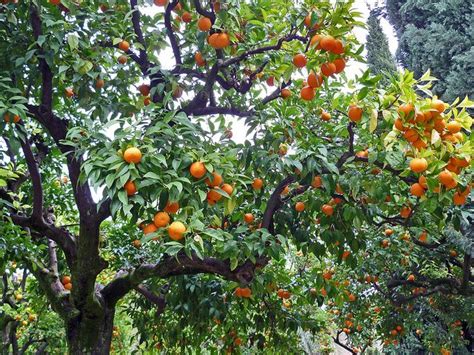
[[124, 45], [388, 232], [340, 64], [186, 17], [328, 43], [299, 207], [257, 184], [228, 189], [399, 125], [144, 89], [132, 155], [314, 80], [354, 113], [405, 212], [317, 182], [453, 126], [99, 83], [418, 165], [213, 195], [248, 218], [171, 207], [137, 243], [459, 199], [338, 47], [130, 188], [406, 110], [68, 286], [328, 69], [422, 182], [216, 180], [176, 230], [410, 277], [316, 41], [285, 93], [66, 280], [419, 144], [417, 190], [299, 60], [69, 92], [411, 135], [204, 24], [160, 2], [446, 178], [385, 243], [328, 210], [219, 40], [270, 81], [307, 22], [439, 125], [52, 2], [122, 59], [150, 228], [161, 219], [307, 93], [197, 170], [200, 61], [352, 297], [438, 105], [325, 116]]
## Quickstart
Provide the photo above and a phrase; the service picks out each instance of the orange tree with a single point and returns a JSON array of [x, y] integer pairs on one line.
[[129, 169]]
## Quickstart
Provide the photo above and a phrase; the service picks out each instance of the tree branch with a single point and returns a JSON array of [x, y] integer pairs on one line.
[[170, 33], [138, 30], [35, 180]]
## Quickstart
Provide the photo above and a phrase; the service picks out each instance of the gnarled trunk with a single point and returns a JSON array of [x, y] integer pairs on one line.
[[91, 336]]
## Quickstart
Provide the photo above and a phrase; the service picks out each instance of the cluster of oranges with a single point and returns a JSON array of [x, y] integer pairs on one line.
[[7, 118], [66, 281]]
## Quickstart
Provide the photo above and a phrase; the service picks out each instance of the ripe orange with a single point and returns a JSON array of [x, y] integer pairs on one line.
[[423, 237], [204, 24], [410, 277], [328, 210], [460, 162], [55, 2], [197, 170], [340, 64], [284, 294], [422, 182], [385, 243], [405, 212], [99, 83], [160, 2], [161, 219], [314, 80], [307, 22], [325, 116], [66, 280], [307, 93], [352, 298], [299, 60], [446, 178], [299, 207], [186, 17], [388, 232], [216, 180], [399, 125], [228, 189], [144, 89], [248, 218], [122, 59], [124, 45], [418, 165], [150, 228], [411, 135], [317, 182], [7, 118], [439, 125], [328, 43], [406, 110], [328, 69], [176, 230], [338, 47], [130, 188], [69, 92], [219, 40], [213, 195], [200, 61], [316, 41], [285, 93], [453, 127], [132, 155], [419, 144], [459, 199], [68, 286], [257, 184], [354, 113], [171, 207], [417, 190], [438, 105], [270, 81]]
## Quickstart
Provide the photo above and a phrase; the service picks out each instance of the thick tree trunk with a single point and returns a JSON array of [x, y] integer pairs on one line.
[[86, 339]]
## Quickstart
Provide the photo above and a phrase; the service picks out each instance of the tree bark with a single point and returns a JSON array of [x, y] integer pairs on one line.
[[83, 339]]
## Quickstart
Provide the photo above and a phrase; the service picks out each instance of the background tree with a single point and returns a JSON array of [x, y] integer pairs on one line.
[[436, 35], [379, 57], [130, 170]]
